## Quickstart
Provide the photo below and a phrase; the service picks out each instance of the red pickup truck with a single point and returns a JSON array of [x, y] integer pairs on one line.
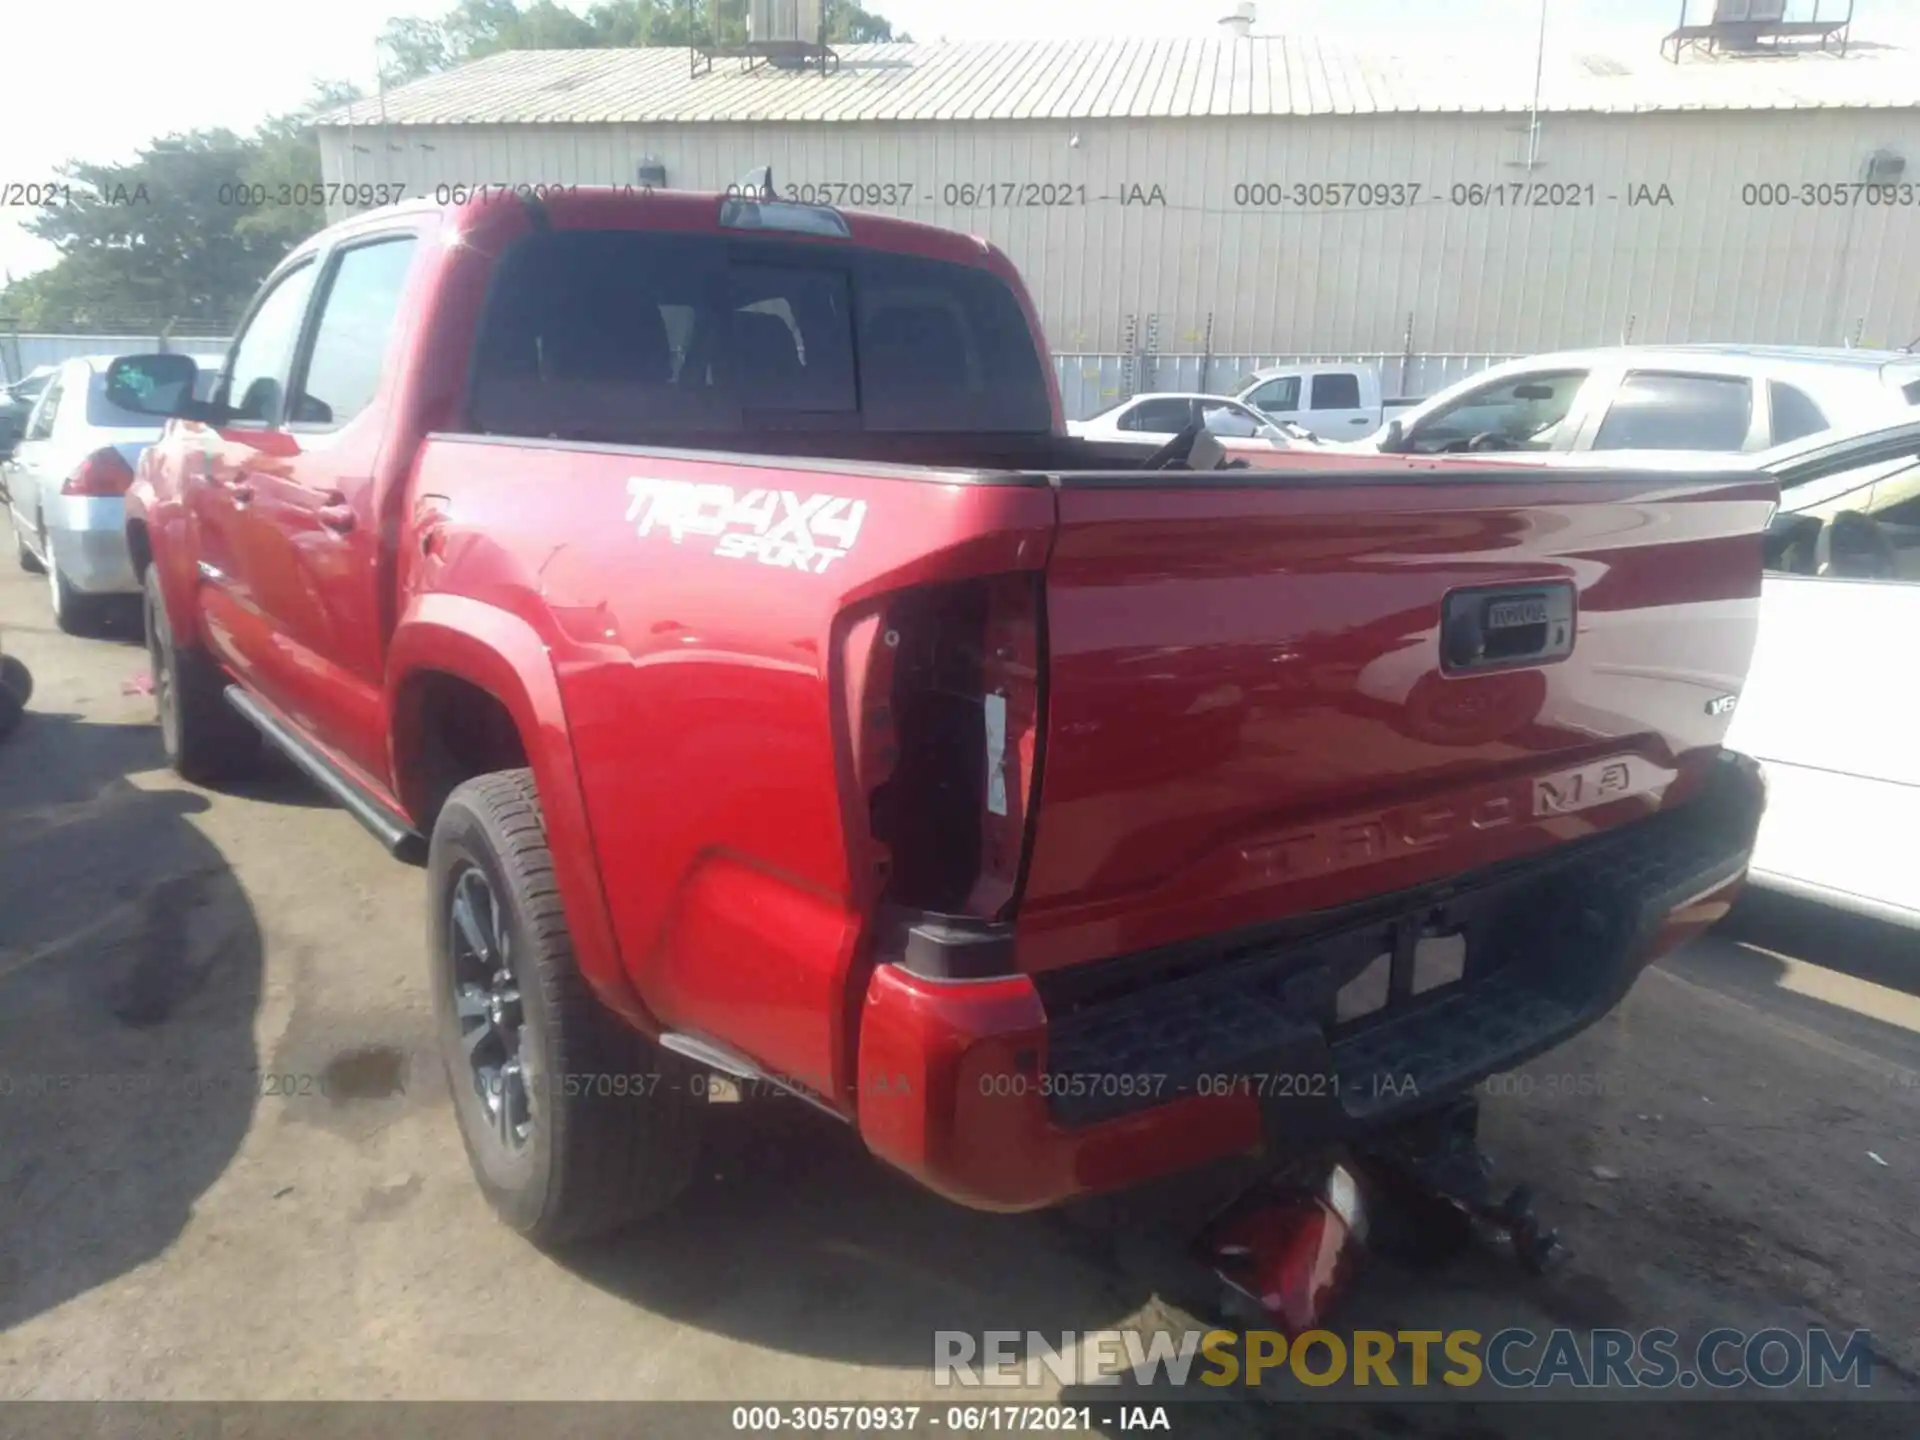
[[707, 589]]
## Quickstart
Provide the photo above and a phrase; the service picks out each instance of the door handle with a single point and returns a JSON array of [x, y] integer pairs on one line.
[[1361, 420], [337, 518]]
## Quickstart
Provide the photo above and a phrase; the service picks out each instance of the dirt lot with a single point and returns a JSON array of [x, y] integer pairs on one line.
[[188, 1233]]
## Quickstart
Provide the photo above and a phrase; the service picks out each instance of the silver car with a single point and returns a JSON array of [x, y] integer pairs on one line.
[[1719, 399], [66, 485]]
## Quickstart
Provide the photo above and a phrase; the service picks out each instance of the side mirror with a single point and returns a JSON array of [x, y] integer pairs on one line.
[[155, 385], [1396, 432]]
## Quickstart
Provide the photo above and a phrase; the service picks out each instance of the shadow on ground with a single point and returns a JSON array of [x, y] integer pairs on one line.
[[1799, 962], [1856, 945], [795, 1238], [130, 971]]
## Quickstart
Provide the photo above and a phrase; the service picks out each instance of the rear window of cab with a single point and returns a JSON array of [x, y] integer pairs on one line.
[[624, 335]]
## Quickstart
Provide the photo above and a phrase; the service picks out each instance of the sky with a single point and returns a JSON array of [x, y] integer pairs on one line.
[[95, 79]]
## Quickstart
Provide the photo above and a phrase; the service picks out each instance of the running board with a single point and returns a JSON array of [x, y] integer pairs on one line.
[[401, 839]]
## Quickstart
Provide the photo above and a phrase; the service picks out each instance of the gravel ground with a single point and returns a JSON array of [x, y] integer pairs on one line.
[[1735, 1146]]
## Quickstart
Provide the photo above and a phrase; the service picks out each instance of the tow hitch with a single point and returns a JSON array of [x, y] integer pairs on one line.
[[1421, 1194]]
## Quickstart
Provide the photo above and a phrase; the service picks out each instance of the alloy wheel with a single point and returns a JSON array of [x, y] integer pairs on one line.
[[487, 1008]]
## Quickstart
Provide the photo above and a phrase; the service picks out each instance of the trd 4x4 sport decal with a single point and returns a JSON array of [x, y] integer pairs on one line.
[[775, 527]]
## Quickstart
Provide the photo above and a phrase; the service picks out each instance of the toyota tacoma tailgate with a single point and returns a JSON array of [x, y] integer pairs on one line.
[[1351, 791]]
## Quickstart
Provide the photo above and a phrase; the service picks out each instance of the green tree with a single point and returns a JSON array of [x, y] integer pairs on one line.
[[182, 234]]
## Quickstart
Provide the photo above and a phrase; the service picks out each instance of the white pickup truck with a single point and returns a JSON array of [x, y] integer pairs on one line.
[[1335, 402]]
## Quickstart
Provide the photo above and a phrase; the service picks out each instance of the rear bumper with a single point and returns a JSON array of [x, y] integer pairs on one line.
[[1009, 1094], [87, 535]]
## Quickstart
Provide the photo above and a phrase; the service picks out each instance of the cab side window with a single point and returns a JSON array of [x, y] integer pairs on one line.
[[1522, 412], [1157, 417], [255, 384], [1859, 525], [1336, 390], [1277, 397], [357, 315], [1655, 411], [1794, 412], [1895, 513]]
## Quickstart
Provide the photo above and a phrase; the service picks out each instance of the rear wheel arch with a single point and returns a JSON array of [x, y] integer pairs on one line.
[[448, 729], [450, 650], [446, 650]]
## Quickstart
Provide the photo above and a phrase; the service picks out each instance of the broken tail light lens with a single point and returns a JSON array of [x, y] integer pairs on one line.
[[944, 708], [104, 474]]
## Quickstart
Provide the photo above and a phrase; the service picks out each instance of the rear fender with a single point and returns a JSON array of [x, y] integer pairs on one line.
[[504, 655]]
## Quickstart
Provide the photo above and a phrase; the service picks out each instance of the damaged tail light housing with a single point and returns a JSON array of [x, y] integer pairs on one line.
[[943, 704], [103, 475]]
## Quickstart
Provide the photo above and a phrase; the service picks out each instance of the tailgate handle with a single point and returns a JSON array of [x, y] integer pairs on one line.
[[1495, 626]]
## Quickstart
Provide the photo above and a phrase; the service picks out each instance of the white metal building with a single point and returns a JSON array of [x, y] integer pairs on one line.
[[1278, 195]]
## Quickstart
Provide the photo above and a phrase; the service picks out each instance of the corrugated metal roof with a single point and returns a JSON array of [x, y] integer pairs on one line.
[[1129, 78]]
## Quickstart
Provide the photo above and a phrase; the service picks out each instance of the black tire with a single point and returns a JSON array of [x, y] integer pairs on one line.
[[22, 553], [599, 1149], [205, 738], [15, 676], [74, 611]]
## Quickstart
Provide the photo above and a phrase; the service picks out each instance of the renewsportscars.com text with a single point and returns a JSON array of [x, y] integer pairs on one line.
[[1511, 1359]]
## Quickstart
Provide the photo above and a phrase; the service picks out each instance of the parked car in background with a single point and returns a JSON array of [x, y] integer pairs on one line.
[[65, 483], [1830, 700], [16, 400], [1334, 402], [1722, 399], [1156, 418]]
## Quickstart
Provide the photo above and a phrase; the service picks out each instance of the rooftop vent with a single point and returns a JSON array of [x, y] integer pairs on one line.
[[784, 34], [1759, 27], [796, 21], [1239, 24]]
